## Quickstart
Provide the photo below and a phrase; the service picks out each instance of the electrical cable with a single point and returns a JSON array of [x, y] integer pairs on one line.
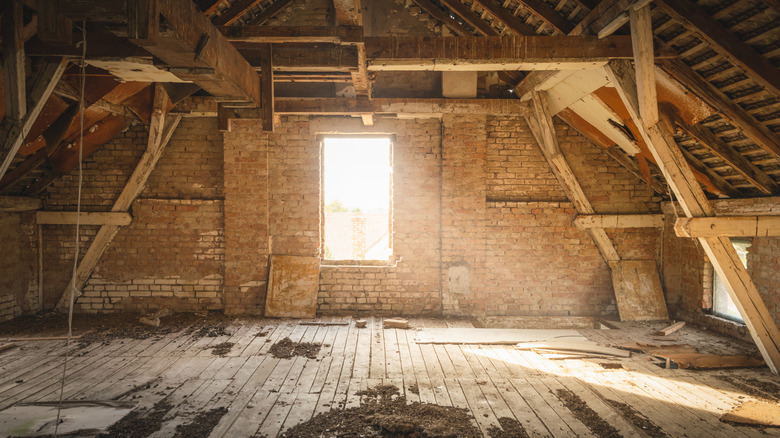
[[83, 72]]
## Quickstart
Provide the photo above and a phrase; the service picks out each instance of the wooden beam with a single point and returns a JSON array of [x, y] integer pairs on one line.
[[268, 13], [549, 16], [668, 330], [737, 161], [443, 17], [13, 61], [348, 12], [207, 107], [470, 17], [642, 41], [620, 221], [296, 34], [9, 204], [543, 129], [143, 21], [749, 206], [196, 51], [724, 42], [267, 84], [85, 218], [719, 250], [735, 226], [720, 183], [12, 133], [161, 129], [752, 128], [234, 12], [496, 53], [513, 23]]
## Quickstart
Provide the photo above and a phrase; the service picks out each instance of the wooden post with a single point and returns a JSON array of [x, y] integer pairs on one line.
[[694, 203], [40, 268], [13, 61], [267, 88]]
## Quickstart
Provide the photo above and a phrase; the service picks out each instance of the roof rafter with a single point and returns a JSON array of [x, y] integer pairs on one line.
[[515, 24], [234, 12]]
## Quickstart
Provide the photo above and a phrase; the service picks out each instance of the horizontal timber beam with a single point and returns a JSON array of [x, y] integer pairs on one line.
[[747, 207], [619, 221], [9, 204], [296, 34], [207, 107], [497, 52], [84, 218], [735, 226]]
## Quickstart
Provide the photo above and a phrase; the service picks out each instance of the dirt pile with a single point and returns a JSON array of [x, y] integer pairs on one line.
[[286, 349]]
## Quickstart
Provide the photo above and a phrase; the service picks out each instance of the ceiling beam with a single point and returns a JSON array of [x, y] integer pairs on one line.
[[296, 34], [734, 226], [234, 12], [724, 42], [752, 128], [496, 53], [514, 24], [13, 133], [84, 218], [619, 221]]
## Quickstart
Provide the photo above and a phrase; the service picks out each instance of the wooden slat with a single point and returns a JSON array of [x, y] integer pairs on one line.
[[548, 15], [723, 42], [13, 133], [85, 218], [735, 226], [515, 24], [764, 137], [470, 17], [234, 12], [443, 17], [620, 221], [269, 13]]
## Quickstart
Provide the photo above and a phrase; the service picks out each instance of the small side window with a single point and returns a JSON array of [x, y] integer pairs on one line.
[[722, 304]]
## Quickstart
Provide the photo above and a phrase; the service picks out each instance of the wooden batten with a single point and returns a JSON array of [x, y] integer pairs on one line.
[[9, 204], [734, 226], [84, 218]]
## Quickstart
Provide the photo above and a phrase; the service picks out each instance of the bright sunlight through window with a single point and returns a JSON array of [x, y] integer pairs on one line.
[[357, 202]]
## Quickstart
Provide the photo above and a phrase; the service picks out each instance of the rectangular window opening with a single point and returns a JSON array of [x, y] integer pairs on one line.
[[356, 196], [722, 304]]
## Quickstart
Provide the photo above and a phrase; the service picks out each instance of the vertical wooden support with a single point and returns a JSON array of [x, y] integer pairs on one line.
[[161, 129], [642, 42], [721, 253], [13, 132], [40, 267], [13, 61], [542, 127], [53, 27], [143, 21], [267, 88]]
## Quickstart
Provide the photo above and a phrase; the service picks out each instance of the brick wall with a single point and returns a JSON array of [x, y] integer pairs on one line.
[[172, 255], [764, 267], [18, 264]]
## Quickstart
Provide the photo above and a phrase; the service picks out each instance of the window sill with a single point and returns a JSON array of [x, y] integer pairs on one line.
[[359, 263], [723, 320]]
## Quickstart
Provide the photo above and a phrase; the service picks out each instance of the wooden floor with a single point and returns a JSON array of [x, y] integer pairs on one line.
[[266, 395]]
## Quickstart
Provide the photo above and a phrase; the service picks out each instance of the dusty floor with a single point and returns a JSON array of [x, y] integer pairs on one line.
[[212, 375]]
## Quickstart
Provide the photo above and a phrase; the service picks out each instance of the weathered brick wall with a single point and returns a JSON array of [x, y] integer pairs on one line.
[[172, 254], [764, 268], [18, 265]]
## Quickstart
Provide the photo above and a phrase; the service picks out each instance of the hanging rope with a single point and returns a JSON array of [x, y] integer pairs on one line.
[[83, 73]]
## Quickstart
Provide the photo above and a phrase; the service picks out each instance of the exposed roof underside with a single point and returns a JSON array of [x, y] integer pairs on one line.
[[726, 64]]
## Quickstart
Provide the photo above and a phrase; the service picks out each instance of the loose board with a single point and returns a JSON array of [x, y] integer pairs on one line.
[[292, 287], [755, 412], [638, 291], [491, 336]]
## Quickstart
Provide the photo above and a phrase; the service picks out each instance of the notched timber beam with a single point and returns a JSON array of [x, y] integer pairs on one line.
[[297, 34], [735, 226], [620, 221], [10, 204], [497, 53], [85, 218]]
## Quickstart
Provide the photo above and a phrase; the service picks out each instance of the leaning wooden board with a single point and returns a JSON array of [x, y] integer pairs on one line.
[[638, 291], [292, 287]]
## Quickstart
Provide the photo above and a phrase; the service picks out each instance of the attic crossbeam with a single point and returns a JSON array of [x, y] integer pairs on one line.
[[694, 203], [161, 128], [13, 132], [735, 226]]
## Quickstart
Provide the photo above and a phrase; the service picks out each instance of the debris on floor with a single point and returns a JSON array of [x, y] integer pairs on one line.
[[286, 348], [35, 419], [590, 418], [221, 349], [510, 428], [154, 322], [202, 425], [396, 323], [754, 412], [361, 323], [696, 361], [573, 348], [384, 412], [637, 419], [8, 346], [666, 331], [140, 423]]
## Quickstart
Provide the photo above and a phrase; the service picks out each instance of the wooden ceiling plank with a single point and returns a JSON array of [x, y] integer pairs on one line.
[[549, 16], [694, 203], [235, 11], [754, 130], [515, 24], [13, 60], [738, 162], [470, 17], [268, 13], [12, 133], [443, 17], [724, 42]]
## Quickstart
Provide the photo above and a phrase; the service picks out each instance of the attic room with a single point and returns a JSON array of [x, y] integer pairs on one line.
[[440, 218]]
